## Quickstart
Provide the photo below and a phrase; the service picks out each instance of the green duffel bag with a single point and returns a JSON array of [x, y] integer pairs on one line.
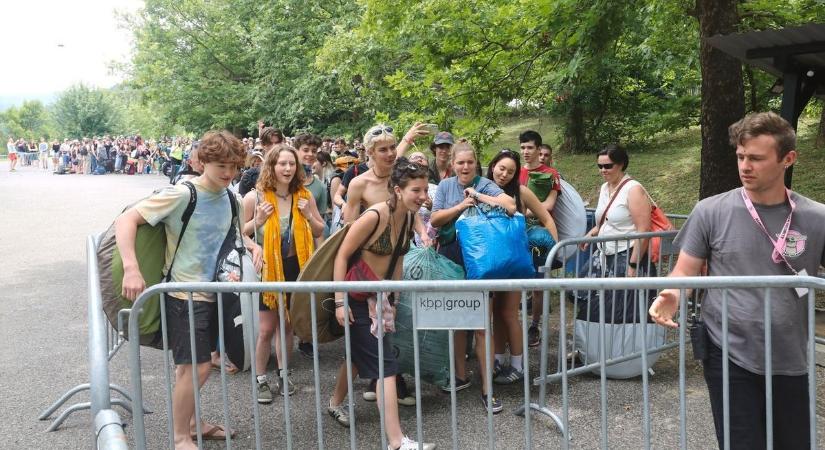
[[424, 263], [150, 251]]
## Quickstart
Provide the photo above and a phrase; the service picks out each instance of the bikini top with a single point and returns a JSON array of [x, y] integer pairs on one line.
[[382, 246]]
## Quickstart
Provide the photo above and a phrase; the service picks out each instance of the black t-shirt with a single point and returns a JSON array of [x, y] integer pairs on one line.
[[248, 180], [353, 172]]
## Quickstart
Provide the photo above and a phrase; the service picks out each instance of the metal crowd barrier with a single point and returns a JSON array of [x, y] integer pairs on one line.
[[103, 343], [626, 307], [250, 428]]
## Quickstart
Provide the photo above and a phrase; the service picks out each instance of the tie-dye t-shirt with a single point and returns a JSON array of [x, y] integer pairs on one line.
[[198, 254]]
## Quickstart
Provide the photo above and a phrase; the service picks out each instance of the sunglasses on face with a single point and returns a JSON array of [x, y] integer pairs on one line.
[[380, 131], [607, 166]]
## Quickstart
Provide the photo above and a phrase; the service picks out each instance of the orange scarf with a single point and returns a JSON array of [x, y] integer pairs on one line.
[[304, 244]]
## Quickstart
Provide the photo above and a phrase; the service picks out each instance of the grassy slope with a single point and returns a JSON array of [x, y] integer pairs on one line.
[[669, 168]]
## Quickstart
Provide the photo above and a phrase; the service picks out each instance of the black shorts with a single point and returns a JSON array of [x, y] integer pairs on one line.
[[364, 345], [206, 330], [291, 271]]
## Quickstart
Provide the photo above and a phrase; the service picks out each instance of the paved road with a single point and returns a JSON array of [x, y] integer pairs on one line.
[[45, 220]]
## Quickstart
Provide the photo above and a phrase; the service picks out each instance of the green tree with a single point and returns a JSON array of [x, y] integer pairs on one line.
[[30, 121], [81, 111], [194, 57]]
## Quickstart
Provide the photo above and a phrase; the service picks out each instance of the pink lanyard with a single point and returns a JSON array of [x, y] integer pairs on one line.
[[778, 254]]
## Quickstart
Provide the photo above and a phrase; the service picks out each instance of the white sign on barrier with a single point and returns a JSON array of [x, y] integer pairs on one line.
[[450, 310]]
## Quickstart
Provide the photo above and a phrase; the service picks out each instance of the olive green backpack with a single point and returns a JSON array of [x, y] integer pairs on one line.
[[150, 251]]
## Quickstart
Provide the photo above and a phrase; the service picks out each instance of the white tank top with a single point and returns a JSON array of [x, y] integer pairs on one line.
[[619, 221]]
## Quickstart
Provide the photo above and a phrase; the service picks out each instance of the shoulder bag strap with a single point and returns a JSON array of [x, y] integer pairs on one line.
[[357, 253], [187, 214], [396, 252], [612, 199]]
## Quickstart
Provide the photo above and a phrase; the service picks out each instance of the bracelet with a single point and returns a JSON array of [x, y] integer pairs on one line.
[[408, 140], [632, 264], [339, 306]]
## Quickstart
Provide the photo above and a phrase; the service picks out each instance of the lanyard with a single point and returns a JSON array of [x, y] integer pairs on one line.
[[778, 254]]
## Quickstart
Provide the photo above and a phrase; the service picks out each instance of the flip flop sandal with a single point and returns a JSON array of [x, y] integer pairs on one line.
[[212, 434]]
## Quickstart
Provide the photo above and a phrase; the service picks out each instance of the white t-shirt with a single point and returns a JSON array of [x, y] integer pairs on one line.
[[619, 221], [11, 148]]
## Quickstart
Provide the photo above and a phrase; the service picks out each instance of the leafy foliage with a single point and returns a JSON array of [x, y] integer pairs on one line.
[[81, 111]]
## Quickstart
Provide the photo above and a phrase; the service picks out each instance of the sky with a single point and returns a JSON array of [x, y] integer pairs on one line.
[[35, 66]]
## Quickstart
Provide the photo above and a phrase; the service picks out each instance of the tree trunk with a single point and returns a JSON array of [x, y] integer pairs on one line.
[[820, 136], [722, 98], [574, 134]]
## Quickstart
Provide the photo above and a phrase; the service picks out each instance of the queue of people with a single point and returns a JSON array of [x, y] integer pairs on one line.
[[296, 195]]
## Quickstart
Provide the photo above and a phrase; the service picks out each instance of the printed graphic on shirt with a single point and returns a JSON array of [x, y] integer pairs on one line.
[[794, 244]]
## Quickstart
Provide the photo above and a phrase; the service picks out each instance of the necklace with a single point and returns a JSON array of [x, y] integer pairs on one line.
[[380, 177], [282, 197]]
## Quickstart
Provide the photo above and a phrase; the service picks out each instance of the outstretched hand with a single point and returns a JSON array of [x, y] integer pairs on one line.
[[664, 308]]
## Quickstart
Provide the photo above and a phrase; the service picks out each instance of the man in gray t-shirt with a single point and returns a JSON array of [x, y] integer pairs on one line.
[[724, 231]]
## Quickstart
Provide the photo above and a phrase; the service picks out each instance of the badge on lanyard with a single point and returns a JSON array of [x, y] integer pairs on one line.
[[778, 254]]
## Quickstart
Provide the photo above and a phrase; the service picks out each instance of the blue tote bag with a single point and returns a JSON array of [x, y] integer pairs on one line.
[[494, 244]]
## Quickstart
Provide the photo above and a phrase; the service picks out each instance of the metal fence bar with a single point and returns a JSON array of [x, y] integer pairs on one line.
[[348, 363], [419, 424], [380, 388], [637, 285], [224, 390], [768, 370], [682, 356], [453, 411], [283, 372], [167, 366], [603, 373], [528, 426], [725, 373], [195, 374], [316, 370], [812, 367]]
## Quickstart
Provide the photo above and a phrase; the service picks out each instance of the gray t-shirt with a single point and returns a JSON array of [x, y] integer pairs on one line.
[[721, 230]]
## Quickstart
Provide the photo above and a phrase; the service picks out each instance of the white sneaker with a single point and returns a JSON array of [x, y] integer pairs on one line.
[[409, 444]]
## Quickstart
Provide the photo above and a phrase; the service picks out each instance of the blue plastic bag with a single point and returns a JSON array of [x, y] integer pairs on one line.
[[494, 245], [540, 241]]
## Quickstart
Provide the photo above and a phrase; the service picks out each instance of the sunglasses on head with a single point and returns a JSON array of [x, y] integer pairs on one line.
[[412, 167], [380, 131], [509, 152], [607, 166]]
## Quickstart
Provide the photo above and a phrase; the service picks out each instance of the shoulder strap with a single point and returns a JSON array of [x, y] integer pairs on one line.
[[187, 214], [612, 199], [357, 253], [373, 228], [396, 252]]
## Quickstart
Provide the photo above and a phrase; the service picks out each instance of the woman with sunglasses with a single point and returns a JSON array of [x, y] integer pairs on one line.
[[628, 211], [282, 214], [624, 208], [503, 170], [453, 196], [373, 250]]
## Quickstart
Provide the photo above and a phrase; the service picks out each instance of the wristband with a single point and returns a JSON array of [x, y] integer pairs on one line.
[[408, 140], [632, 264]]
